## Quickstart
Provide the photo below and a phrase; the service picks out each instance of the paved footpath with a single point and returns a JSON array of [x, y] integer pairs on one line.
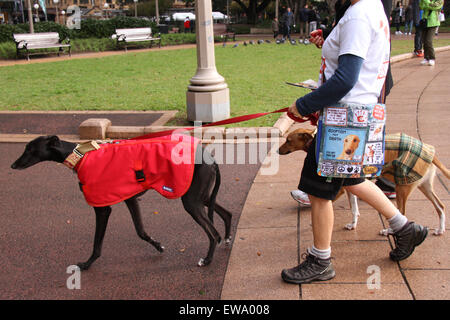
[[273, 231]]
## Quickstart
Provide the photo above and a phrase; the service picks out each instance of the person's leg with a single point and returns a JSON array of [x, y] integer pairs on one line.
[[426, 43], [322, 218], [407, 234], [373, 195]]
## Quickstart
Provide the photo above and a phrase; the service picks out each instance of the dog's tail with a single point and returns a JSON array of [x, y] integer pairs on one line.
[[441, 166]]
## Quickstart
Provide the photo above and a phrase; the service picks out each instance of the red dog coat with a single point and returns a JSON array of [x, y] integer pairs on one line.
[[124, 168]]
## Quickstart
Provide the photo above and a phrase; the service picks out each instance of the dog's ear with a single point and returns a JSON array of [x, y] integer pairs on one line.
[[53, 141]]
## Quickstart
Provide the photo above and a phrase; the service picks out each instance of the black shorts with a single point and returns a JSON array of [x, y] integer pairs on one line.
[[315, 185]]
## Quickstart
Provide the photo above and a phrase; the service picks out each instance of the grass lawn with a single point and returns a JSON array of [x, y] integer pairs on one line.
[[158, 80]]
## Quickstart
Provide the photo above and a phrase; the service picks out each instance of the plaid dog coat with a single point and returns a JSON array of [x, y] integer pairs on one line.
[[124, 168], [411, 157]]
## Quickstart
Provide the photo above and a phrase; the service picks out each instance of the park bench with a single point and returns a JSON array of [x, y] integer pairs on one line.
[[133, 35], [42, 40], [224, 31]]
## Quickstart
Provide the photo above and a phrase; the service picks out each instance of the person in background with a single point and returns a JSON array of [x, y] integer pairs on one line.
[[408, 19], [418, 52], [312, 20], [304, 25], [431, 10], [275, 27], [288, 21], [397, 17], [187, 25]]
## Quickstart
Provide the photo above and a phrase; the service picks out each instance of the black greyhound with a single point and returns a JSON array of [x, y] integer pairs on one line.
[[206, 177]]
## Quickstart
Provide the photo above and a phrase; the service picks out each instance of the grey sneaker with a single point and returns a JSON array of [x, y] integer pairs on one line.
[[311, 269], [407, 239]]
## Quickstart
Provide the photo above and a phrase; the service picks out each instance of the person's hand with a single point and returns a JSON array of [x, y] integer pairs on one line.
[[316, 37], [294, 111]]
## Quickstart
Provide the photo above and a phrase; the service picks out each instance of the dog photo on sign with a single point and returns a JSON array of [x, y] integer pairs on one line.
[[344, 144]]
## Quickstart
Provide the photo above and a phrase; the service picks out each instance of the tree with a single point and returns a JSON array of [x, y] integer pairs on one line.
[[253, 9]]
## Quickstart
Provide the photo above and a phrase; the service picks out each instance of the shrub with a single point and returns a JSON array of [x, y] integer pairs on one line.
[[90, 28]]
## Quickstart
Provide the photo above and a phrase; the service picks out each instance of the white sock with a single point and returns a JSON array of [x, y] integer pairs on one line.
[[321, 254], [397, 222]]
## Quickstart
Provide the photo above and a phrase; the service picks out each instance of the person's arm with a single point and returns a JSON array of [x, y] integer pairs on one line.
[[335, 88]]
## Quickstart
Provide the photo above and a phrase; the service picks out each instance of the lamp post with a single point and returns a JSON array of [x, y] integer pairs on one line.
[[57, 16], [63, 13], [135, 8], [36, 6], [106, 6], [30, 16], [208, 96]]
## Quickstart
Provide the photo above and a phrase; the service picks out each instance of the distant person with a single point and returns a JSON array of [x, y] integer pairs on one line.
[[304, 25], [288, 21], [431, 9], [312, 20], [418, 28], [187, 25], [397, 17], [408, 19], [275, 27]]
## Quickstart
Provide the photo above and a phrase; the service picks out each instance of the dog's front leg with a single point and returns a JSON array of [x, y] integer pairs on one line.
[[101, 221], [135, 211], [353, 201]]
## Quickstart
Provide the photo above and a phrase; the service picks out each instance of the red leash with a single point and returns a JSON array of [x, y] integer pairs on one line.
[[313, 118]]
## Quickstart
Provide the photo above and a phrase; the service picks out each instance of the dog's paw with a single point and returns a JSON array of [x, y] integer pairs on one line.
[[386, 232], [439, 232], [83, 265], [350, 226], [160, 249], [228, 241], [203, 262]]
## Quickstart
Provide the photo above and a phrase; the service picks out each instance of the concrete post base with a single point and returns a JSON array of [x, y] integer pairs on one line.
[[208, 106]]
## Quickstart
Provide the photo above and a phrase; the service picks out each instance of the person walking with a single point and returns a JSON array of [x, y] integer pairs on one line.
[[352, 59], [312, 19], [430, 18], [397, 17], [275, 27], [418, 28], [304, 25], [288, 21], [408, 19]]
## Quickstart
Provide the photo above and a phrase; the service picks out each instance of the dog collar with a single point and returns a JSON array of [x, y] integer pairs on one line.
[[78, 153]]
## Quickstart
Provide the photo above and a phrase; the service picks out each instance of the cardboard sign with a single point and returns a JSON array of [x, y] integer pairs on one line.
[[350, 141]]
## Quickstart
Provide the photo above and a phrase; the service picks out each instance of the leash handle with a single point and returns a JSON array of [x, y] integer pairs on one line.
[[312, 117]]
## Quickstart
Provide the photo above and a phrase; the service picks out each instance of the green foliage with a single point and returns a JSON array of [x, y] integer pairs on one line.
[[90, 28]]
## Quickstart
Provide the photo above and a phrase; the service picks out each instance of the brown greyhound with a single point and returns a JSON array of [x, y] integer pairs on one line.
[[301, 139]]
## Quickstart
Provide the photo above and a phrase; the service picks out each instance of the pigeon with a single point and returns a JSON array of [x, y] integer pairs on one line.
[[267, 41], [251, 42], [245, 43], [235, 45], [260, 41]]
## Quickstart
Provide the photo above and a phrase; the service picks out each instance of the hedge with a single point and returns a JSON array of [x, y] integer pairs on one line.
[[90, 28]]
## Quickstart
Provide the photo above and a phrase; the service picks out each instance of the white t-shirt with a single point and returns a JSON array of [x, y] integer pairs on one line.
[[364, 32]]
